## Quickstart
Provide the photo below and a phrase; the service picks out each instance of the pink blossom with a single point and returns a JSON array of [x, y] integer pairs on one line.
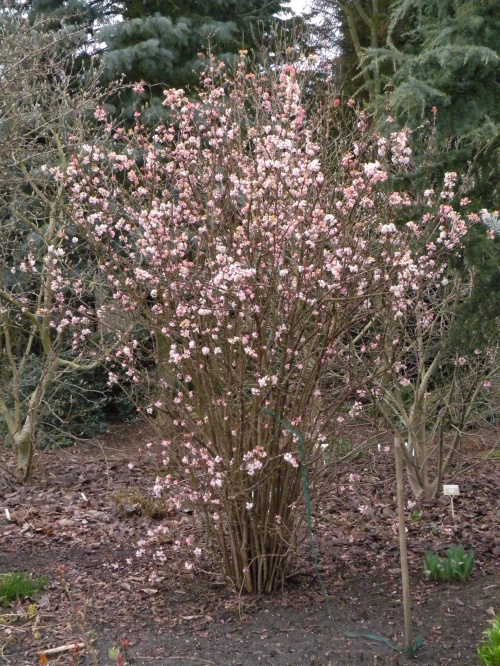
[[290, 459], [100, 113]]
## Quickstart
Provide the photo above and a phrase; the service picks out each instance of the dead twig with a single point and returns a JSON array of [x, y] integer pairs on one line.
[[50, 652]]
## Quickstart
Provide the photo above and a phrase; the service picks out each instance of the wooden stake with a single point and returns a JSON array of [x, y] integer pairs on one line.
[[402, 543]]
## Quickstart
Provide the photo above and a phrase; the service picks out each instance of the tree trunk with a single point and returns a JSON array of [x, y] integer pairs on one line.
[[24, 438], [24, 444], [417, 470]]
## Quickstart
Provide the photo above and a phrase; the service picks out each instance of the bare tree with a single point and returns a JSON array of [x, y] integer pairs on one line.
[[47, 281]]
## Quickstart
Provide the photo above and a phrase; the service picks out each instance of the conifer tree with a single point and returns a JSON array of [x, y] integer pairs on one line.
[[433, 66], [348, 27], [444, 84], [159, 41], [447, 73]]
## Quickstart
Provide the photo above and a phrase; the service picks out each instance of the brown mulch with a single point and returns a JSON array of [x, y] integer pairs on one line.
[[87, 510]]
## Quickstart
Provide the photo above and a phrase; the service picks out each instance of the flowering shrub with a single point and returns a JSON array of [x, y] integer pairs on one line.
[[251, 269]]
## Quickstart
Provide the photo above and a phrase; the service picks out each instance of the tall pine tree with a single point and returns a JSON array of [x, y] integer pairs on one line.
[[159, 41]]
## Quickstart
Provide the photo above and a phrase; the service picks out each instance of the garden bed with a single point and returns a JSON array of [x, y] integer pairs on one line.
[[89, 505]]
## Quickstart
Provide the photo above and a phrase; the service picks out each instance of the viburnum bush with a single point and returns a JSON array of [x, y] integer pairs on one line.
[[221, 237]]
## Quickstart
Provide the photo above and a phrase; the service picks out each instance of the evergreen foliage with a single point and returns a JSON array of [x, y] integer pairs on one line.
[[448, 67], [441, 68], [160, 42], [347, 28], [477, 323]]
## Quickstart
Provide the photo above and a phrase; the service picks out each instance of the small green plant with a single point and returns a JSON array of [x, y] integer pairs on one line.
[[19, 585], [489, 651], [415, 516], [457, 565], [495, 453], [116, 654]]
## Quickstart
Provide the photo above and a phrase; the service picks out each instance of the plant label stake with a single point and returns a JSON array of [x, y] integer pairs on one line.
[[402, 543], [451, 490]]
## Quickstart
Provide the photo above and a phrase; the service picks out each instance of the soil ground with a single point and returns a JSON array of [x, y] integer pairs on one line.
[[86, 509]]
